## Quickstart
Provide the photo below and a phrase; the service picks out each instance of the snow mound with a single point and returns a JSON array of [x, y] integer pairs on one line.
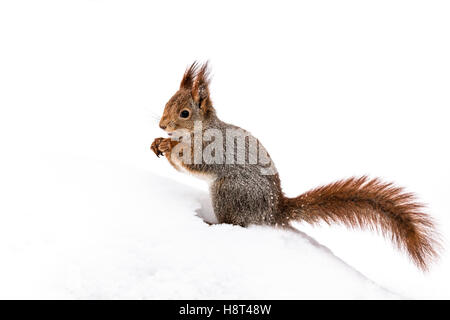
[[81, 228]]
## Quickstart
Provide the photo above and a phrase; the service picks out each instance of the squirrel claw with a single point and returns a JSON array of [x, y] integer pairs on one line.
[[155, 147]]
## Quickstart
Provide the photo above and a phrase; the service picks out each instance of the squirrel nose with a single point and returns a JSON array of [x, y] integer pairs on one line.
[[163, 127]]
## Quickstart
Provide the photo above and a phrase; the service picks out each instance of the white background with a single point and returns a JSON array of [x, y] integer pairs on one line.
[[331, 88]]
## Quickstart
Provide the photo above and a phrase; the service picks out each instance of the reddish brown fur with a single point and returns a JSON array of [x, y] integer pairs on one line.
[[200, 90], [370, 203], [188, 78]]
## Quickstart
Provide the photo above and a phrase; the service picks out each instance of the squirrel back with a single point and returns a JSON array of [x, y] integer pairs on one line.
[[245, 186]]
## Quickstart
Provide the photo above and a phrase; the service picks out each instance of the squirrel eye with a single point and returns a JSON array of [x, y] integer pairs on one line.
[[184, 114]]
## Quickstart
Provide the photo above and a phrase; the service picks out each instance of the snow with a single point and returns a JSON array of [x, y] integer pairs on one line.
[[106, 230], [88, 211]]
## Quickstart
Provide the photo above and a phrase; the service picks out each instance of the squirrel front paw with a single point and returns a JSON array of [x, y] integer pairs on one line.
[[161, 146], [155, 146], [165, 145]]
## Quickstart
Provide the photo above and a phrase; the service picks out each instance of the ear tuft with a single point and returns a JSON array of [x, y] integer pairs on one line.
[[188, 77], [200, 90]]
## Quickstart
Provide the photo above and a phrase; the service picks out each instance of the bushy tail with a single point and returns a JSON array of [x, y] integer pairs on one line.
[[371, 203]]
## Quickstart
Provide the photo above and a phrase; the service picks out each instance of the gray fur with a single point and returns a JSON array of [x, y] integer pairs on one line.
[[240, 193]]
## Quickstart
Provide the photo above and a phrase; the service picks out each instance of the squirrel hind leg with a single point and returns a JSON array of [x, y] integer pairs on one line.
[[237, 202]]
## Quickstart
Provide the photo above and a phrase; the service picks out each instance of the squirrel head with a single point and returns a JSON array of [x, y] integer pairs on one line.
[[191, 102]]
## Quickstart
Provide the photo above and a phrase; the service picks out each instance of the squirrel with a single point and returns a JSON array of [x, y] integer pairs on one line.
[[245, 192]]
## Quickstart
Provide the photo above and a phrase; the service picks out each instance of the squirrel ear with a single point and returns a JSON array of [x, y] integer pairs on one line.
[[200, 90], [188, 77]]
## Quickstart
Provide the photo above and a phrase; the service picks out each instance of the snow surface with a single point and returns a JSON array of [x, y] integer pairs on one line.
[[332, 89], [106, 230]]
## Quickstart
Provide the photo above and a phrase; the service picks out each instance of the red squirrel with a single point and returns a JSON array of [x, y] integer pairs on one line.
[[245, 186]]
